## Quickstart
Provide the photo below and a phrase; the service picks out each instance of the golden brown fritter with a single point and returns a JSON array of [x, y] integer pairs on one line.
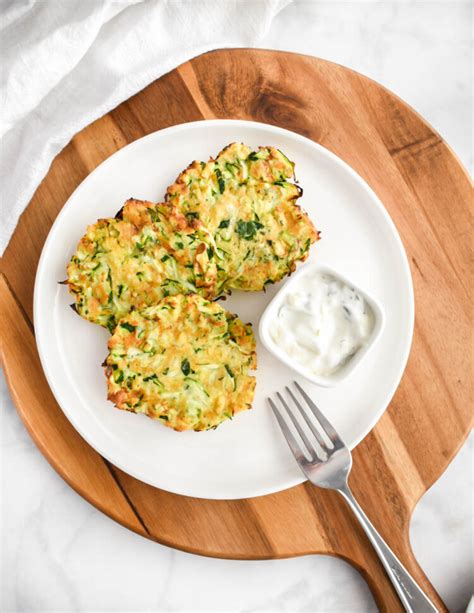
[[184, 361], [247, 206], [148, 252]]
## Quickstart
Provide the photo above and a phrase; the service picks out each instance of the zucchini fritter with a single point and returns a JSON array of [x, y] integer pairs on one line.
[[245, 203], [149, 251], [183, 361], [230, 223]]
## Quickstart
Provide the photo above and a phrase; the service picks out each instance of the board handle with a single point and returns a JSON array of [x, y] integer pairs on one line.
[[412, 597], [369, 566]]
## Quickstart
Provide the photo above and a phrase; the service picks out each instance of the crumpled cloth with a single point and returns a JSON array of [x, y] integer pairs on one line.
[[64, 63]]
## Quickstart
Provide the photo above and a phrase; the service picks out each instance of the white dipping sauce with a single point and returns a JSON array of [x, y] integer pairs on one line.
[[322, 323]]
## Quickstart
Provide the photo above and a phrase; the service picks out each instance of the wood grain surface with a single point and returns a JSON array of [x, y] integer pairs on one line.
[[427, 193]]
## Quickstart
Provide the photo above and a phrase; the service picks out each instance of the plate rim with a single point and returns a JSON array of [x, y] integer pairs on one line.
[[176, 128]]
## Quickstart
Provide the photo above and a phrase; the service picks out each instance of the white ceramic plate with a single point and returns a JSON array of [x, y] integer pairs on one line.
[[247, 456]]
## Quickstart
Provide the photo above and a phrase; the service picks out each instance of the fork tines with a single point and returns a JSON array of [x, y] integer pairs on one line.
[[328, 445]]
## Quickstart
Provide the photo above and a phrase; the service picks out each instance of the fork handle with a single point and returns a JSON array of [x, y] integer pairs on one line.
[[412, 596]]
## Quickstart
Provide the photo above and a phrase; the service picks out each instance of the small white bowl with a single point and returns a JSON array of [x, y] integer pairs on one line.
[[270, 313]]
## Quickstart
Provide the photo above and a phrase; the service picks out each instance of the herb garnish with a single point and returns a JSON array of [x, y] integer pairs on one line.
[[185, 367], [153, 378], [128, 327], [220, 180], [248, 229]]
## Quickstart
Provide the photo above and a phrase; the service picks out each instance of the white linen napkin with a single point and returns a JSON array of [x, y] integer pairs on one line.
[[66, 62]]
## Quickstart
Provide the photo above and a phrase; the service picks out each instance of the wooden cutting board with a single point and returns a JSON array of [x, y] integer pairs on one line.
[[426, 191]]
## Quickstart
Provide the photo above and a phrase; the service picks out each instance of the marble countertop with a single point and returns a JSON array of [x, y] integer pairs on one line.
[[60, 554]]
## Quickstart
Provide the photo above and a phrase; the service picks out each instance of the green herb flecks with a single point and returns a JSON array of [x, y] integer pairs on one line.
[[185, 367], [220, 180], [230, 167], [231, 375], [154, 379], [248, 229], [109, 279], [118, 376], [154, 215], [129, 327]]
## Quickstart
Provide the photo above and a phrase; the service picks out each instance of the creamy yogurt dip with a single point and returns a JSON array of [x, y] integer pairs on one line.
[[322, 323]]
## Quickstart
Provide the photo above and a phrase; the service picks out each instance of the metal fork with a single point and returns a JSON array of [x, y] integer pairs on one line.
[[328, 465]]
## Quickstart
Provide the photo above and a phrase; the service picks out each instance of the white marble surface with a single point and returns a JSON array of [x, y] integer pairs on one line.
[[60, 554]]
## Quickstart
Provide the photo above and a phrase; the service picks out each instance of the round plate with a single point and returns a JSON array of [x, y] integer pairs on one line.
[[247, 456]]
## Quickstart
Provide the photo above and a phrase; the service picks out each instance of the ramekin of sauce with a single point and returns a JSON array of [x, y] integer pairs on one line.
[[321, 325]]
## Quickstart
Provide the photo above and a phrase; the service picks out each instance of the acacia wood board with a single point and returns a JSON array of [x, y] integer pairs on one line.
[[427, 193]]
